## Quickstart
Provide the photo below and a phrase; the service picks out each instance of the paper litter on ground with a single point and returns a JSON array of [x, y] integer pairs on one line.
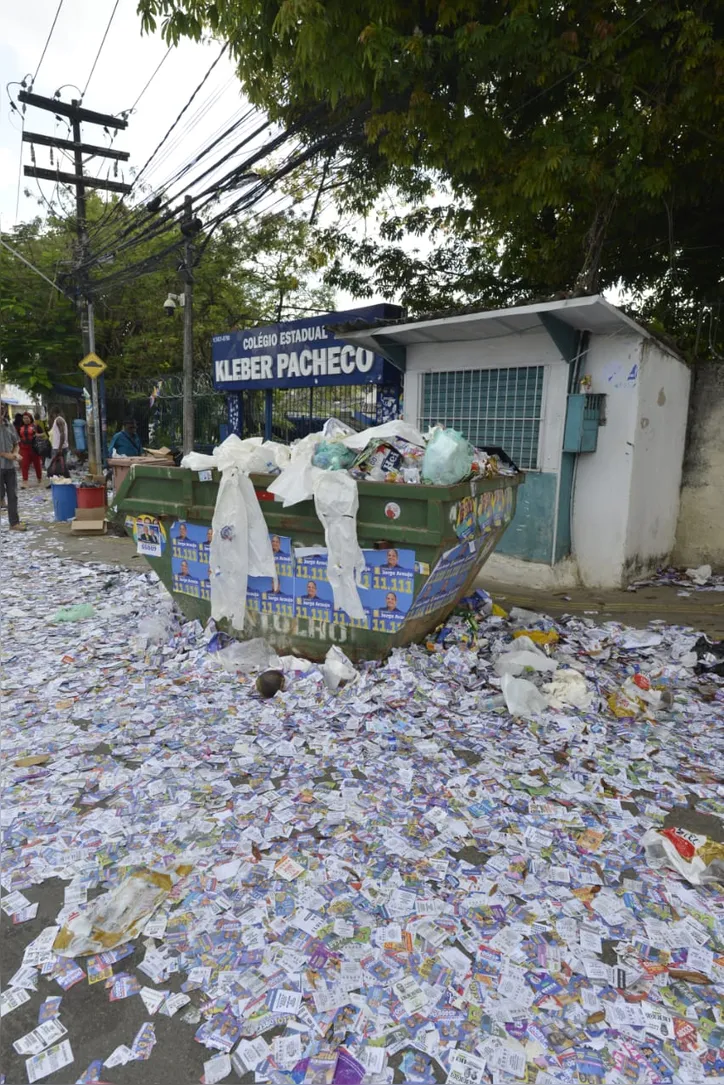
[[385, 879]]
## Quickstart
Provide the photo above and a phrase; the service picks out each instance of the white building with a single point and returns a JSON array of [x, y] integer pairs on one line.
[[515, 378]]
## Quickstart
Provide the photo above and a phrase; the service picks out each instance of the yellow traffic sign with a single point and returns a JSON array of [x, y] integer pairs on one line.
[[92, 366]]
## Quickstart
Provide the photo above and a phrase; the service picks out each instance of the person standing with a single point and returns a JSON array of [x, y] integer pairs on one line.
[[58, 444], [126, 442], [28, 455], [9, 457]]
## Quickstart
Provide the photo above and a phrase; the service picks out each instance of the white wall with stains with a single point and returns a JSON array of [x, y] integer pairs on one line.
[[659, 440], [602, 481], [626, 493]]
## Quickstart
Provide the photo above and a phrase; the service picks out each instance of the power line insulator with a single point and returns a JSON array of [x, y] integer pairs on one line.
[[188, 229]]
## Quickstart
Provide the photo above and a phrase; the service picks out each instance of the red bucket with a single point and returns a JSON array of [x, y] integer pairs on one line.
[[91, 497]]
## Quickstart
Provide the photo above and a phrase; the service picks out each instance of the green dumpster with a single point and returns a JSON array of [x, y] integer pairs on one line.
[[424, 547]]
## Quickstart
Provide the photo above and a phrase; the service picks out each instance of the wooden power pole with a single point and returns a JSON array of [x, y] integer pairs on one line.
[[77, 115], [188, 276]]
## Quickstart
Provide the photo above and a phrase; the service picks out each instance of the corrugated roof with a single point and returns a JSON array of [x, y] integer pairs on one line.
[[591, 313]]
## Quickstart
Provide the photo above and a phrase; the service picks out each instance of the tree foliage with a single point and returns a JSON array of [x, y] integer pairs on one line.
[[584, 140], [250, 272]]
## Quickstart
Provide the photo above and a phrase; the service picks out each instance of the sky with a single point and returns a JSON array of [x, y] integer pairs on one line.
[[127, 61]]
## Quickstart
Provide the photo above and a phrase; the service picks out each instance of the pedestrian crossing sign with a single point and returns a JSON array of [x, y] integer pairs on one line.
[[92, 366]]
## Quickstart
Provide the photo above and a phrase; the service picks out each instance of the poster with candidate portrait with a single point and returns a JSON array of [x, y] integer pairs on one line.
[[389, 586], [274, 595], [190, 559], [386, 591], [313, 594], [149, 535], [447, 578]]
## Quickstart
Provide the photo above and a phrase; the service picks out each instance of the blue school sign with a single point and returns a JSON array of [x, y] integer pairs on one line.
[[300, 354]]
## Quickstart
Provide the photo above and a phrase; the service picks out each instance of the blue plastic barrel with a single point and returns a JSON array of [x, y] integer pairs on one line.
[[64, 501], [79, 427]]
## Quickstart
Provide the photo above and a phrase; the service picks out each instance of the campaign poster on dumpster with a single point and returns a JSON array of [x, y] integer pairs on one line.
[[149, 535], [274, 595], [389, 585], [312, 590], [447, 578], [190, 557]]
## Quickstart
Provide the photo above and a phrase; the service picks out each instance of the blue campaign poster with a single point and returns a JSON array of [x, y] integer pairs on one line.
[[388, 585], [389, 580], [190, 572], [274, 595], [447, 578], [313, 593]]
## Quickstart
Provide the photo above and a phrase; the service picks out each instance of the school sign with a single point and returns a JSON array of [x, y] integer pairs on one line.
[[299, 354]]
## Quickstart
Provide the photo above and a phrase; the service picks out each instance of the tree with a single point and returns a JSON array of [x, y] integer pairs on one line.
[[249, 272], [583, 141]]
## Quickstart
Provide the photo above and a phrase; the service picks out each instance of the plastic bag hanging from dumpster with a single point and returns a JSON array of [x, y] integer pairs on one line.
[[240, 546], [336, 501]]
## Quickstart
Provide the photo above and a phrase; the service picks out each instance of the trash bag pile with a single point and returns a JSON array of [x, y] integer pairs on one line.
[[396, 452], [496, 858]]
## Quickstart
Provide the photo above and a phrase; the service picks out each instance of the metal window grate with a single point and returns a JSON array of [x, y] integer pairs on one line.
[[489, 407]]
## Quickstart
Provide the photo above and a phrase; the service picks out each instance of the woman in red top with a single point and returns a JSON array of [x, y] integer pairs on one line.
[[28, 455]]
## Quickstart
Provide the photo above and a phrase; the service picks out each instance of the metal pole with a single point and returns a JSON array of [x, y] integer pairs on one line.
[[269, 414], [94, 392], [188, 386], [86, 319]]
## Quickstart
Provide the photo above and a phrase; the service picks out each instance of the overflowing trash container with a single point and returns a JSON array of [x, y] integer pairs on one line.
[[335, 547]]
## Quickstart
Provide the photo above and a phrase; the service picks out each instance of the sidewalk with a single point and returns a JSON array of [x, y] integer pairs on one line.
[[703, 610]]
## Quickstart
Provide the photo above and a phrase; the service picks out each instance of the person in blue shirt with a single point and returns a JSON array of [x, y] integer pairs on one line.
[[126, 442]]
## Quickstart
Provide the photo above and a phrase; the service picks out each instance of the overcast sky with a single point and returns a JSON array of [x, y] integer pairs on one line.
[[126, 63]]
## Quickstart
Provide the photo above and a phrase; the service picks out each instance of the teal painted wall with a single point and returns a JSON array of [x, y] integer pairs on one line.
[[563, 535], [530, 536]]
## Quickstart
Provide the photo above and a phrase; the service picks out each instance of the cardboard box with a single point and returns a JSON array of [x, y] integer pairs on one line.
[[89, 522]]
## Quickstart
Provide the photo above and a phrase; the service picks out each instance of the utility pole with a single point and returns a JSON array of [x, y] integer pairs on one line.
[[77, 115], [187, 229]]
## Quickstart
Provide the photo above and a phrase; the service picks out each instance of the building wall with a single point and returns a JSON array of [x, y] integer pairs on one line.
[[531, 535], [700, 529], [625, 495], [603, 478], [663, 403]]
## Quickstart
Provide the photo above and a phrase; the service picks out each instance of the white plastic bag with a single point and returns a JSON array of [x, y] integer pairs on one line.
[[520, 655], [692, 855], [522, 697], [247, 655], [568, 688], [516, 663], [240, 546], [296, 482], [337, 668], [336, 501], [386, 432], [118, 915]]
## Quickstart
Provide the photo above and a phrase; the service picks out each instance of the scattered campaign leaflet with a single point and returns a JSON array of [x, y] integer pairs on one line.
[[332, 883]]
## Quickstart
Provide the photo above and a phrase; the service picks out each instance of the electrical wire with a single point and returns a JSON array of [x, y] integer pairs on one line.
[[107, 245], [120, 204], [148, 84], [47, 43], [100, 50], [32, 266], [178, 118]]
